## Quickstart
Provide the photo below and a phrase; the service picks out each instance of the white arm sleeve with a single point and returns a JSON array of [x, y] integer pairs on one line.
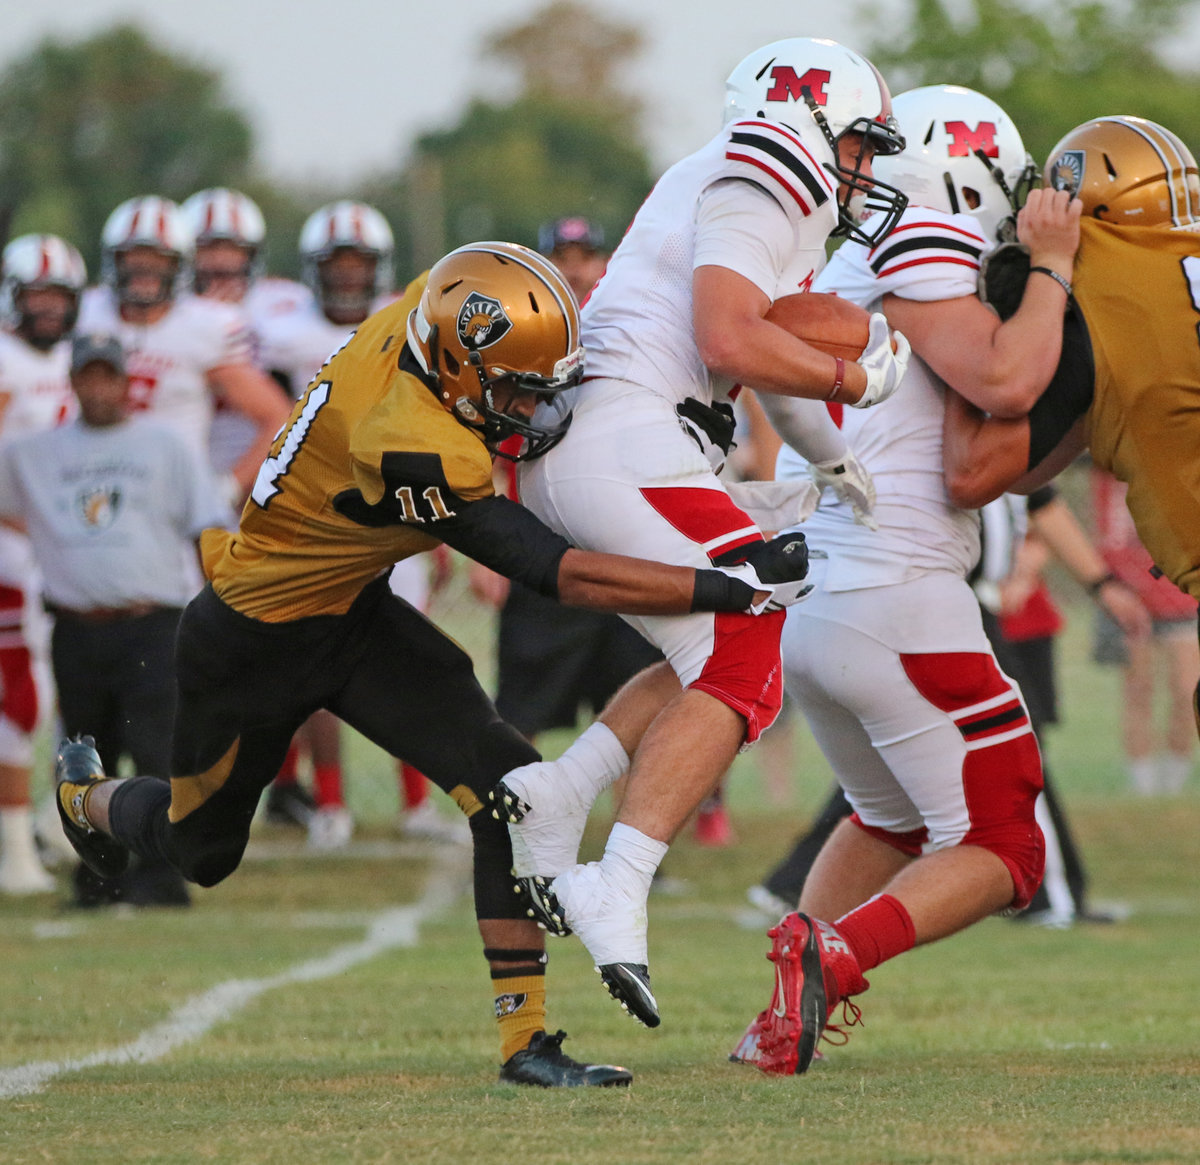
[[806, 426], [741, 227]]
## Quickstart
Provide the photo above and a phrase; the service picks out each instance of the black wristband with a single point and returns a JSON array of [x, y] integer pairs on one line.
[[716, 591], [1094, 588], [1061, 280]]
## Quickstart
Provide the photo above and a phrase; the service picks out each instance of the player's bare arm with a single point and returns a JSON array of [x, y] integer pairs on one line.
[[736, 341], [1002, 367], [258, 398], [985, 457]]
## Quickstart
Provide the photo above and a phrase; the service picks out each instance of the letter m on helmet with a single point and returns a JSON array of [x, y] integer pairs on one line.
[[790, 87], [965, 141]]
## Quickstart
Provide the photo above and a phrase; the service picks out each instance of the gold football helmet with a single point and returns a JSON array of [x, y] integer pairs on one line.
[[496, 313], [1128, 171]]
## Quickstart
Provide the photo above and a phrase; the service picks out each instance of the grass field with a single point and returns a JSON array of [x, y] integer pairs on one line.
[[328, 1009]]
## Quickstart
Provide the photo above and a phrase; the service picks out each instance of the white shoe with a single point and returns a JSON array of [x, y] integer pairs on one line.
[[425, 823], [609, 919], [545, 816], [330, 828], [25, 878]]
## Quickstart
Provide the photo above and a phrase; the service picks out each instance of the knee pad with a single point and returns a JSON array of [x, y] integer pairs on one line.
[[494, 886], [1002, 768], [744, 670], [138, 817]]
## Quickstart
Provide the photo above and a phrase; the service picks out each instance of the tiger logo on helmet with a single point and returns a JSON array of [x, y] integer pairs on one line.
[[498, 314], [1128, 171]]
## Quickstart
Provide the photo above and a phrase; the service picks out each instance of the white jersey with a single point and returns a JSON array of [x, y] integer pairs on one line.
[[637, 323], [169, 361], [35, 394], [929, 256], [296, 339]]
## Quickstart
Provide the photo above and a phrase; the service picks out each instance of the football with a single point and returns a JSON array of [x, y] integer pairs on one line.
[[828, 322]]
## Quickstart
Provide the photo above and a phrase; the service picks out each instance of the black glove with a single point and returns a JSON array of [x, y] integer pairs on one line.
[[711, 427], [1002, 278]]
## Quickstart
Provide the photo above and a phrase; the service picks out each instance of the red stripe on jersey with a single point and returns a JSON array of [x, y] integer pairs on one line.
[[814, 165], [732, 157], [707, 517], [837, 411], [893, 268]]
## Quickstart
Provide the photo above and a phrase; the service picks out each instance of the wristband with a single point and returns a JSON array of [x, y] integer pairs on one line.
[[1062, 281], [839, 377], [714, 590], [1094, 588]]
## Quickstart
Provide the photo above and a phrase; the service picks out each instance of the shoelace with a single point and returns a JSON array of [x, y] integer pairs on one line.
[[851, 1017]]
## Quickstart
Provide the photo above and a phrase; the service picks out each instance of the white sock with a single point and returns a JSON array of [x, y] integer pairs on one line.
[[1173, 770], [1143, 775], [16, 836], [632, 858], [594, 762]]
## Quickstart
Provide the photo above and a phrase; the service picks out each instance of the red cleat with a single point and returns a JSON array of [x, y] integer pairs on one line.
[[782, 1041]]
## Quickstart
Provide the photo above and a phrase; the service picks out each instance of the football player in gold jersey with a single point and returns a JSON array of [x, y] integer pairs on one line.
[[1128, 385], [388, 453]]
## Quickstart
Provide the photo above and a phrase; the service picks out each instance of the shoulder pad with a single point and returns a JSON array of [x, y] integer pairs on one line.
[[930, 255], [774, 157]]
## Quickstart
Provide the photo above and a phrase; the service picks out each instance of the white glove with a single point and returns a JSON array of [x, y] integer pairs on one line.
[[783, 558], [884, 368], [849, 479]]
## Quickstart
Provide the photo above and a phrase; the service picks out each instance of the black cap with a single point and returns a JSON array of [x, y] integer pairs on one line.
[[563, 232], [91, 346]]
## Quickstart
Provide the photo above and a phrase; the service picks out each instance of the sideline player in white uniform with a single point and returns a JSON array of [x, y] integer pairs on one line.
[[677, 319], [228, 262], [41, 279], [181, 349], [888, 659]]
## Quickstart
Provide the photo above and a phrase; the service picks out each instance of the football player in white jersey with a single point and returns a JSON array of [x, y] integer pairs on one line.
[[888, 658], [41, 279], [676, 321], [181, 349]]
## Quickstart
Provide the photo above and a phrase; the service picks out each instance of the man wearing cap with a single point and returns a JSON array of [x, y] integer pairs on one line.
[[113, 504]]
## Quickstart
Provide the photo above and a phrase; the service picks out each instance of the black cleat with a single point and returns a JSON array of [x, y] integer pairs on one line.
[[629, 985], [541, 904], [544, 1064], [290, 804], [76, 770]]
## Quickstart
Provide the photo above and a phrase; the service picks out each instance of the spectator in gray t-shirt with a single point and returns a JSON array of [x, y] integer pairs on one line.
[[113, 505]]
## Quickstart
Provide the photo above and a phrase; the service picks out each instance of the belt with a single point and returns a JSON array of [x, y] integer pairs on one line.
[[104, 614]]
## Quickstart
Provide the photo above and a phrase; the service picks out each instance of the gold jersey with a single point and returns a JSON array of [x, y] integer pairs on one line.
[[1139, 290], [366, 465]]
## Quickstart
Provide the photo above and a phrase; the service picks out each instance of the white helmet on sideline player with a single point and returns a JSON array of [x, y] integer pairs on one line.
[[346, 225], [154, 223], [31, 263], [824, 91], [964, 156], [219, 215]]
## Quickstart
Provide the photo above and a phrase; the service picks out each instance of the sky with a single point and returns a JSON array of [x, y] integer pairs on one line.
[[339, 88]]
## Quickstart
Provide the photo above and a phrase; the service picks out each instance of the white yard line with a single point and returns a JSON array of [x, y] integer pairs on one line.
[[197, 1016]]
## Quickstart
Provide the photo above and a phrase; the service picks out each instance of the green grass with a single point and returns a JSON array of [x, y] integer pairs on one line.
[[1004, 1044]]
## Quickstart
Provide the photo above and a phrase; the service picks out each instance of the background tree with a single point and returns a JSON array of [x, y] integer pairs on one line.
[[85, 125], [568, 143], [1052, 66]]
